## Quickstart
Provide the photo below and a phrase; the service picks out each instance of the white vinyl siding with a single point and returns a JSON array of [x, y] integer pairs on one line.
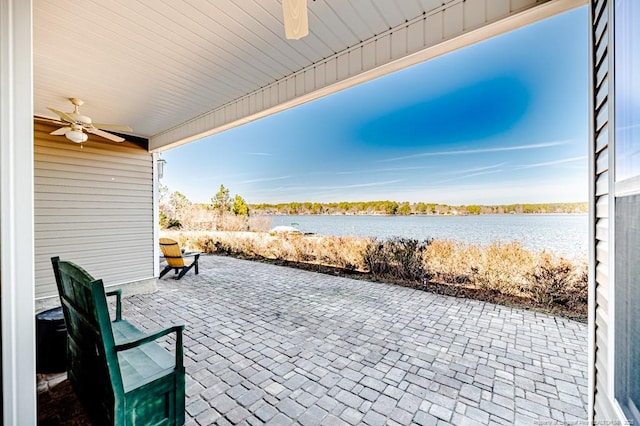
[[601, 199], [94, 207], [604, 408]]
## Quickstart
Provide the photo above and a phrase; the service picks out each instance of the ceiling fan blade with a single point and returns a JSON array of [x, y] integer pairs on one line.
[[63, 115], [105, 134], [113, 127], [296, 22], [61, 131]]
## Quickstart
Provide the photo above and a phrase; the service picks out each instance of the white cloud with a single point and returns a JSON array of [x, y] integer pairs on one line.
[[551, 163], [478, 150], [389, 169]]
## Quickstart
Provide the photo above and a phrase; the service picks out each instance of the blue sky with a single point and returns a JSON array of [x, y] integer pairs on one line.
[[502, 121]]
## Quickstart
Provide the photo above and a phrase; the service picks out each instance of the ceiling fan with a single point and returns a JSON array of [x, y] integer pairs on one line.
[[296, 22], [77, 123]]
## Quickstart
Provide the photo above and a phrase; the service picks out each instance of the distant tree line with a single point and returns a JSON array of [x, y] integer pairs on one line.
[[406, 208], [233, 213]]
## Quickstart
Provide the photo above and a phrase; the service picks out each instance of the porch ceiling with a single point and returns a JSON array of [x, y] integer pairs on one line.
[[176, 70]]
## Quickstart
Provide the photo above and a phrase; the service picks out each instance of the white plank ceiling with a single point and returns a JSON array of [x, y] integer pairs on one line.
[[177, 70]]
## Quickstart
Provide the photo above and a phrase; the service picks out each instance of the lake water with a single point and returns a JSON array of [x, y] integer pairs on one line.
[[563, 234]]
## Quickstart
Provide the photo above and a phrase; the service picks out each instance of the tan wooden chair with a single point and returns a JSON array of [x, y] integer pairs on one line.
[[175, 258]]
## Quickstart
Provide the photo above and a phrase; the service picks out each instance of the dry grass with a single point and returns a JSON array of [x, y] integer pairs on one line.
[[503, 272]]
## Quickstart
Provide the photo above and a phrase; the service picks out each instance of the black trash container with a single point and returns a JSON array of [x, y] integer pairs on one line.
[[51, 341]]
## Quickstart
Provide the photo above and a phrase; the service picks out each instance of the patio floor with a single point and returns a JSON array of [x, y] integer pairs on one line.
[[269, 344]]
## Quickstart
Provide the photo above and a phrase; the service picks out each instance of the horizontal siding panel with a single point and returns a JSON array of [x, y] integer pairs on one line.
[[602, 161], [602, 253], [97, 252], [602, 71], [65, 191], [78, 177], [111, 260], [125, 275], [108, 196], [601, 406], [601, 135], [600, 28], [137, 204], [92, 206], [131, 242], [603, 410], [602, 230], [601, 95], [42, 227], [602, 139], [602, 184], [602, 116], [602, 301], [602, 207], [94, 217], [602, 275], [115, 185], [96, 167], [600, 11], [601, 354], [601, 48]]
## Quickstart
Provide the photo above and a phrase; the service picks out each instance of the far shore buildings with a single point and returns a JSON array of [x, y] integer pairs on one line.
[[176, 73]]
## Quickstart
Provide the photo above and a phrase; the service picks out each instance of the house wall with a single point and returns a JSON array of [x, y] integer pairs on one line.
[[93, 206], [604, 376], [602, 331]]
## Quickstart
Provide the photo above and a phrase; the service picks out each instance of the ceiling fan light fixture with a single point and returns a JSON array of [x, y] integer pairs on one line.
[[296, 21], [77, 136]]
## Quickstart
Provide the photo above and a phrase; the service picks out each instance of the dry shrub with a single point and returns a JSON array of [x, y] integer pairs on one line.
[[452, 261], [401, 258], [500, 268], [557, 281], [342, 252], [503, 267]]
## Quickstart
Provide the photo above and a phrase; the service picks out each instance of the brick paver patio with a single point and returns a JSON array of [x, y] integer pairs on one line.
[[269, 344]]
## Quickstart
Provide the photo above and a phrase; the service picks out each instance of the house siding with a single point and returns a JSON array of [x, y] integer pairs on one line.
[[603, 406], [93, 205]]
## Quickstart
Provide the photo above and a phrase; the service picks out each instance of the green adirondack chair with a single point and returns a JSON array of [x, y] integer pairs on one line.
[[119, 373]]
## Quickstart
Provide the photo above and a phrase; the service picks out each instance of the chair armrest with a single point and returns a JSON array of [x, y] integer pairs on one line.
[[178, 329], [118, 294]]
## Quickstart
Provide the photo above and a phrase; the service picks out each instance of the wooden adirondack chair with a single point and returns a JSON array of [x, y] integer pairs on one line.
[[175, 258], [119, 373]]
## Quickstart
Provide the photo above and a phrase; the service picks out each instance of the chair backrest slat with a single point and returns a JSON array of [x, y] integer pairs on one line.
[[171, 251]]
